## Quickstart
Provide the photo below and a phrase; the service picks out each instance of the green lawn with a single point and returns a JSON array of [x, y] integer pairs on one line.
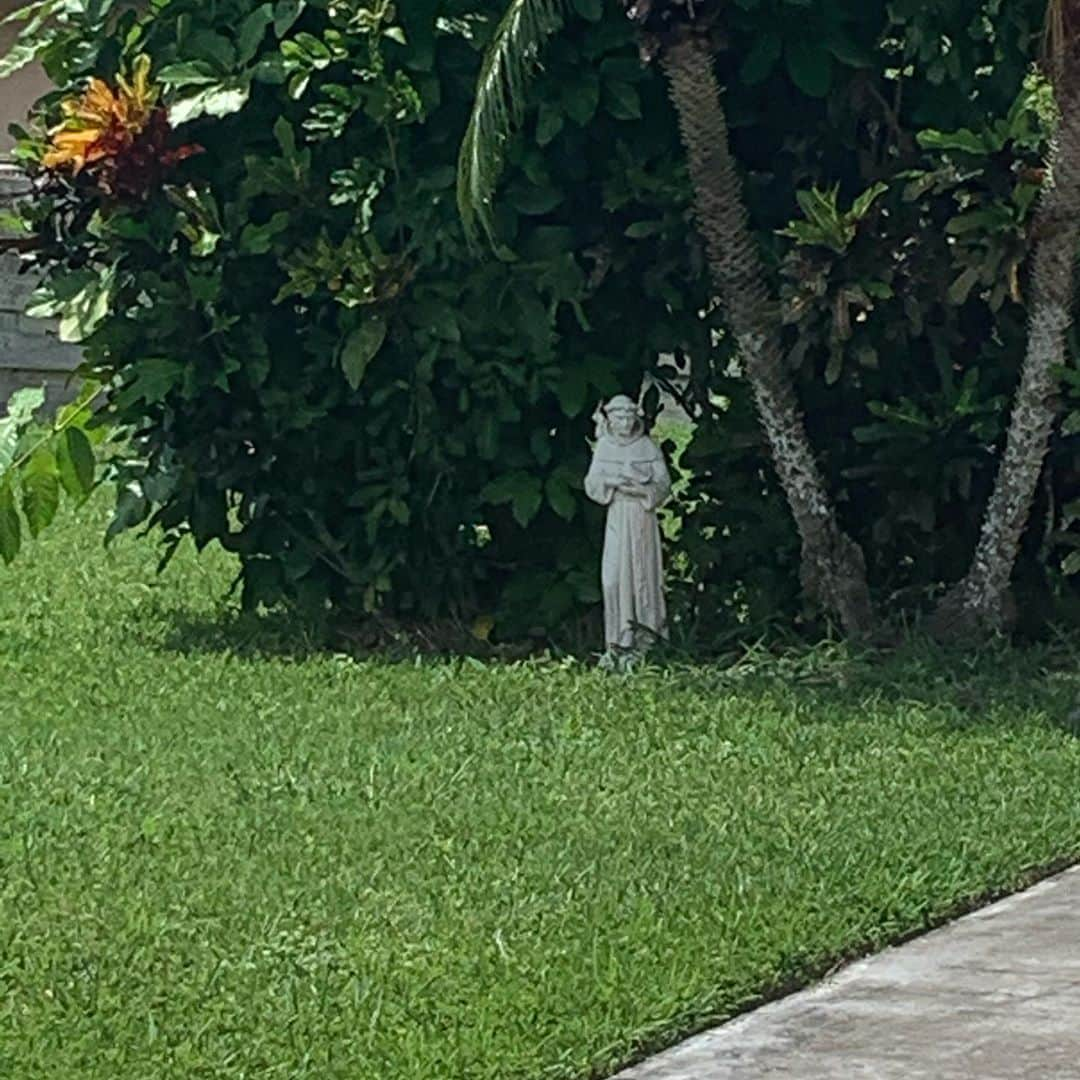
[[223, 858]]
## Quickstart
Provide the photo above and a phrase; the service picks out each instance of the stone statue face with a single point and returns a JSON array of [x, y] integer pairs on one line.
[[621, 418], [623, 421]]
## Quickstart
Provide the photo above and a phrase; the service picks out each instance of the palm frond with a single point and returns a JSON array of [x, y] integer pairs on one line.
[[499, 107]]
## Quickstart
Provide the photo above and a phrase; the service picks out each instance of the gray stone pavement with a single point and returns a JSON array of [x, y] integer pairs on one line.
[[993, 996]]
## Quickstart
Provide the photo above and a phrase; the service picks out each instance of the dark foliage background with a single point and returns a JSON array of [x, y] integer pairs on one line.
[[324, 378]]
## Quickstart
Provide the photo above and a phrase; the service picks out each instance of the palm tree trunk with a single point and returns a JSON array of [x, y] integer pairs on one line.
[[833, 567], [981, 603]]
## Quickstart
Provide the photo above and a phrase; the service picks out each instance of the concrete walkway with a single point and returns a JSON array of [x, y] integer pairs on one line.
[[994, 996]]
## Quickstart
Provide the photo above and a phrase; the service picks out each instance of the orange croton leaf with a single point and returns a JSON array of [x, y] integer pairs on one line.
[[102, 122], [71, 148], [120, 137]]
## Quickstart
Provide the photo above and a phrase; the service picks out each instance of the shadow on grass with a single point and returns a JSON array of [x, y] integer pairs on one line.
[[1012, 681], [295, 636], [245, 634], [831, 678]]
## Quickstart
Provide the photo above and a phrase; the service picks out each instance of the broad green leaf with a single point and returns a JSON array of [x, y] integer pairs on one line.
[[761, 59], [9, 441], [549, 123], [592, 10], [222, 99], [827, 226], [835, 367], [993, 218], [439, 179], [847, 50], [540, 444], [285, 137], [867, 199], [10, 527], [880, 290], [623, 69], [259, 239], [810, 67], [526, 505], [24, 403], [188, 73], [1024, 195], [548, 242], [271, 69], [81, 315], [154, 378], [963, 139], [561, 497], [286, 12], [40, 482], [201, 225], [298, 85], [75, 461], [962, 286], [361, 347], [215, 48], [528, 199], [920, 183], [622, 100], [640, 229], [803, 232], [572, 390], [581, 99], [820, 207], [252, 30], [47, 300], [523, 491], [315, 49], [79, 411]]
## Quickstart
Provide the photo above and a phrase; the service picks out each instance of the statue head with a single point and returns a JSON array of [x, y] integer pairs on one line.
[[621, 418]]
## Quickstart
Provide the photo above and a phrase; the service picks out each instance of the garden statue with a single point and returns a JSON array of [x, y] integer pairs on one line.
[[628, 476]]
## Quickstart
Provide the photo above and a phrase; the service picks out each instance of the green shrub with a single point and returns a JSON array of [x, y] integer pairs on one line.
[[42, 460], [319, 373]]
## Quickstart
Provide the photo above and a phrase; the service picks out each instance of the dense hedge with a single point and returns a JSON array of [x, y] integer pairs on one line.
[[905, 317], [324, 378]]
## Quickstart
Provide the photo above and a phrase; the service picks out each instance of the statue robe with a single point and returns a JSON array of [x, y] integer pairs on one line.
[[633, 573]]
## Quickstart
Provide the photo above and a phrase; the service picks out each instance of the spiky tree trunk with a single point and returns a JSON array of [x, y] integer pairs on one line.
[[980, 604], [833, 567]]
